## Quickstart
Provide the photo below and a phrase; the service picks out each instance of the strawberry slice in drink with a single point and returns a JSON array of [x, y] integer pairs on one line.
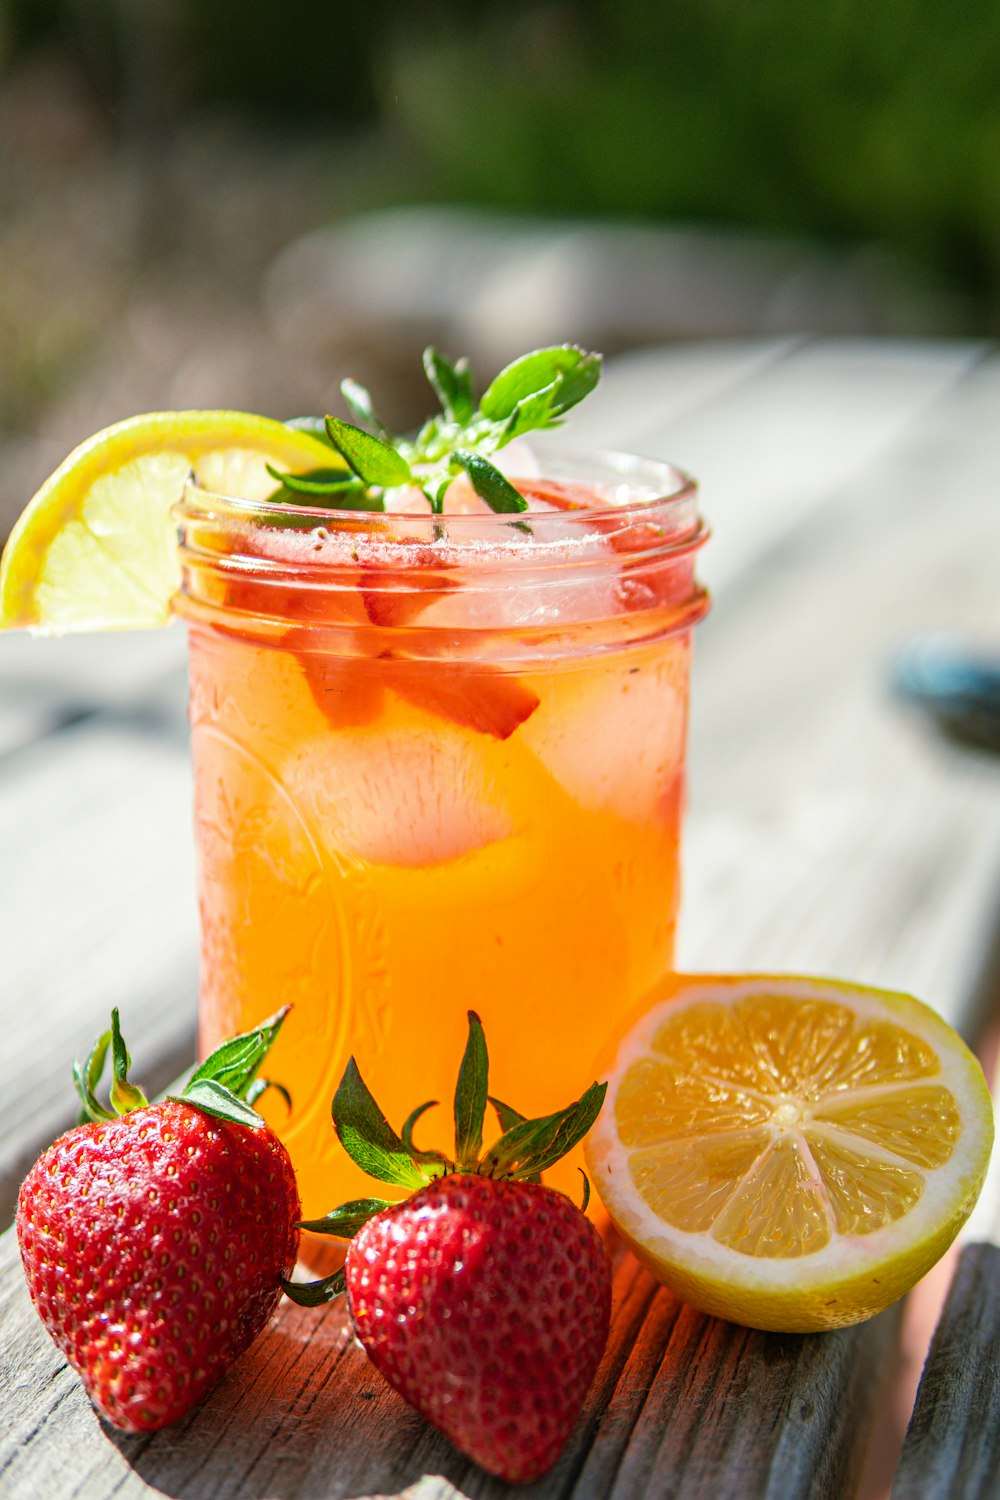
[[397, 596], [465, 693], [347, 689], [389, 574], [379, 579], [471, 695]]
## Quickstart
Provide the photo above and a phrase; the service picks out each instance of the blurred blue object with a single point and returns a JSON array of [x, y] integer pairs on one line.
[[956, 683]]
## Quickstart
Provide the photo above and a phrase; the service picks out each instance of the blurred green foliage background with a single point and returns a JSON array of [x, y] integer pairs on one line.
[[852, 120], [655, 169]]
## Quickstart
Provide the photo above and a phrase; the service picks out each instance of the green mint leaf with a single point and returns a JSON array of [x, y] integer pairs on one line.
[[532, 412], [451, 384], [315, 426], [353, 496], [577, 382], [359, 404], [215, 1099], [531, 393], [316, 481], [471, 1094], [314, 1293], [586, 1191], [367, 1136], [535, 1145], [125, 1096], [436, 1157], [489, 484], [344, 1222], [435, 489], [573, 368], [87, 1076], [235, 1064], [370, 458]]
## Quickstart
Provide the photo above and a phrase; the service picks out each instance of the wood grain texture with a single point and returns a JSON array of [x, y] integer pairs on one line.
[[830, 829], [777, 432], [952, 1448], [683, 1405], [98, 910], [853, 490]]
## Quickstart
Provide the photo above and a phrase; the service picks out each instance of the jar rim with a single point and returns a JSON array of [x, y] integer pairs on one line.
[[613, 571], [603, 468]]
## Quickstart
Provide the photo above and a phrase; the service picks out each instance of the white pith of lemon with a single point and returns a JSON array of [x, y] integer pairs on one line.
[[96, 547], [790, 1153]]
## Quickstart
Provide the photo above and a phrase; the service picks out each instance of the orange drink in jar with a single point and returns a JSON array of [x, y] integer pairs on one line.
[[439, 765]]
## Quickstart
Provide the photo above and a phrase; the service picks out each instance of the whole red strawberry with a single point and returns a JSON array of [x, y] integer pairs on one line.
[[485, 1298], [154, 1240]]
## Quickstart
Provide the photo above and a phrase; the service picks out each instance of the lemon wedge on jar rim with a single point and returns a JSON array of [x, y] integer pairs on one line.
[[790, 1153], [96, 548]]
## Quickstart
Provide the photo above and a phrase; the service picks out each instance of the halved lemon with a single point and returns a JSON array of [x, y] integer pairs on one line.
[[790, 1153], [96, 547]]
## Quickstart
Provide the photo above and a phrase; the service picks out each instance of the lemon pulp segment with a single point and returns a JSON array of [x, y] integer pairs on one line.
[[779, 1138], [95, 549]]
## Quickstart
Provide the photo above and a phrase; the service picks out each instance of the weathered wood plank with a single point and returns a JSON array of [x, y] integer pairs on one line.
[[733, 1411], [682, 1405], [98, 910], [107, 671], [829, 829], [952, 1447], [652, 389], [789, 440], [827, 832]]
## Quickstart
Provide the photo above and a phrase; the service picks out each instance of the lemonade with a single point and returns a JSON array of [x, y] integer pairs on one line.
[[438, 710], [439, 762]]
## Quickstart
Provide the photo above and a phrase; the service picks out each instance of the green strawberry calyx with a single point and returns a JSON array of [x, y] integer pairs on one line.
[[227, 1084], [524, 1149]]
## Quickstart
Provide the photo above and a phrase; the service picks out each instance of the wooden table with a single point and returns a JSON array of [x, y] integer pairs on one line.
[[854, 490]]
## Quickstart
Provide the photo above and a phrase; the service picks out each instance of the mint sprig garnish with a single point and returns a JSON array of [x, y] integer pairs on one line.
[[531, 394], [524, 1150], [227, 1084]]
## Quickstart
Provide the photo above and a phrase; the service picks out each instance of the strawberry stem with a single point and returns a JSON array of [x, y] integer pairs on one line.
[[225, 1085], [471, 1093], [425, 1158], [523, 1151], [125, 1096], [314, 1293], [366, 1135], [87, 1076], [345, 1221]]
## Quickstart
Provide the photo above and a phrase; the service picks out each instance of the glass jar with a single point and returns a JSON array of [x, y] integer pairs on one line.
[[439, 766]]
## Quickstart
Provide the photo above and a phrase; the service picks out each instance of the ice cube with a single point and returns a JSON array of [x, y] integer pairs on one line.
[[399, 794], [406, 500], [537, 568], [613, 736]]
